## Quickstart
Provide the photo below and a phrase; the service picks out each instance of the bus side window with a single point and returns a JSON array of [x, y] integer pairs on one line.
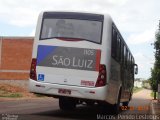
[[118, 49], [124, 56], [122, 53], [127, 56], [131, 63], [128, 60], [114, 42], [132, 66]]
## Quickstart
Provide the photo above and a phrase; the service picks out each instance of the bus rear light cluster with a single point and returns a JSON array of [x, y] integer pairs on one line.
[[33, 74], [101, 80]]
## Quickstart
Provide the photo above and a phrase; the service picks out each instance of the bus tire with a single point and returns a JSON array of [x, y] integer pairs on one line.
[[125, 103], [116, 107], [67, 104], [90, 103]]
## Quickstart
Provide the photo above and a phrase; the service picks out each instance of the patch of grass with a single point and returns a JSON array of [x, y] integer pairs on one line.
[[9, 91], [10, 95], [136, 89], [13, 91]]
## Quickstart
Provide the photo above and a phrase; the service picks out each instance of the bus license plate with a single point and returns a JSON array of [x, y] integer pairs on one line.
[[64, 91]]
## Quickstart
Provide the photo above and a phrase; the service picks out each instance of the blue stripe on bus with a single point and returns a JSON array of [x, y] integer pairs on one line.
[[44, 51]]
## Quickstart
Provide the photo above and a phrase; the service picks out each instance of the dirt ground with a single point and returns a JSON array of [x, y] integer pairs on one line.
[[12, 91]]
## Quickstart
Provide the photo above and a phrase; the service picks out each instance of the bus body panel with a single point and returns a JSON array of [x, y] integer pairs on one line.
[[98, 94], [52, 79], [69, 76], [76, 91]]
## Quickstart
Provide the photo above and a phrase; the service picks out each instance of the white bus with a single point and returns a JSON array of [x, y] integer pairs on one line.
[[81, 57]]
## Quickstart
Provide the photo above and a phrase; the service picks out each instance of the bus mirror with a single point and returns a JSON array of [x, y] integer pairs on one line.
[[135, 68]]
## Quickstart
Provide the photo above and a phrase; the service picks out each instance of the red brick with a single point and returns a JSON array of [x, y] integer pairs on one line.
[[14, 76], [16, 55]]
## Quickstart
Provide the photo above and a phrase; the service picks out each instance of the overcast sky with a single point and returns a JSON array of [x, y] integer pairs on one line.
[[137, 21]]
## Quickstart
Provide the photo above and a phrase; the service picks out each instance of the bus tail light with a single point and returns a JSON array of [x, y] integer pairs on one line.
[[101, 80], [33, 74]]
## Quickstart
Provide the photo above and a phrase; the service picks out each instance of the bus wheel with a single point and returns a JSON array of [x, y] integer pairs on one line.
[[67, 103], [125, 103], [90, 103], [116, 107]]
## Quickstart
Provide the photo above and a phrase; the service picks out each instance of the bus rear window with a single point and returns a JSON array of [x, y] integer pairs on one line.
[[88, 30]]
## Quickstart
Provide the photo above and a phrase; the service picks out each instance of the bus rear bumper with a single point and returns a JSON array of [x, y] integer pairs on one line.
[[96, 93]]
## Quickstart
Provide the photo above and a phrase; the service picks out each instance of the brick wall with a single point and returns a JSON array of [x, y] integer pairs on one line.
[[15, 57]]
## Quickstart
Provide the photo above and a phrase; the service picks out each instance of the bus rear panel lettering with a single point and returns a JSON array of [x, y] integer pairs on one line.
[[68, 57]]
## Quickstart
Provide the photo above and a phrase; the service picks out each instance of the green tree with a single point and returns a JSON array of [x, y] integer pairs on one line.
[[155, 72]]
